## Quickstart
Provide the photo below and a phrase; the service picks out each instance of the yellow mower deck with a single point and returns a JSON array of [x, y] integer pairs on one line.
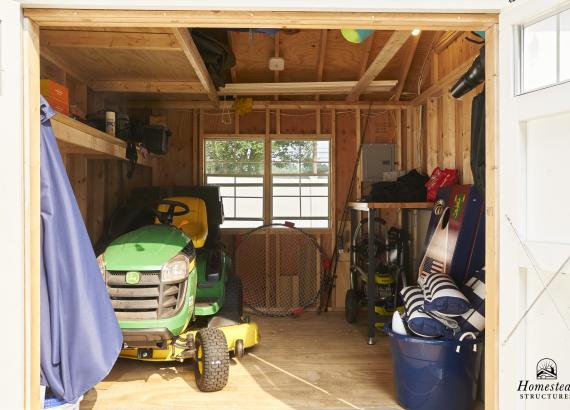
[[248, 332]]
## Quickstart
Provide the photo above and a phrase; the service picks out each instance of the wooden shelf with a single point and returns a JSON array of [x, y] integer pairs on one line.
[[365, 206], [75, 137]]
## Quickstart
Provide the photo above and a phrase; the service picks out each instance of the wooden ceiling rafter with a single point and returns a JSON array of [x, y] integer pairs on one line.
[[148, 86], [117, 40], [47, 54], [321, 57], [446, 39], [406, 65], [366, 56], [195, 59], [385, 55], [262, 105]]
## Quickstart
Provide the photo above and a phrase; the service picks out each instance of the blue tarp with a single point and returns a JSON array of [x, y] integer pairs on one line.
[[80, 336]]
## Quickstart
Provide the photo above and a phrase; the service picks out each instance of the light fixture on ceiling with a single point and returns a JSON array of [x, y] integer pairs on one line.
[[416, 32]]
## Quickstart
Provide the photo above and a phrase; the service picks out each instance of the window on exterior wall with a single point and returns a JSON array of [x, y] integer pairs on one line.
[[544, 52], [298, 181], [237, 167]]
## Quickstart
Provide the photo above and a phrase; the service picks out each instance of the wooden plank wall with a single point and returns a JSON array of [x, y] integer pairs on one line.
[[341, 125], [441, 127], [99, 185]]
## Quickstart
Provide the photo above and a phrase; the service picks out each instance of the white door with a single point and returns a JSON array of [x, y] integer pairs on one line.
[[534, 193], [11, 206]]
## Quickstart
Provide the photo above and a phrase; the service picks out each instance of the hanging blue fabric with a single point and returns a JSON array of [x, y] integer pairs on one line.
[[80, 336]]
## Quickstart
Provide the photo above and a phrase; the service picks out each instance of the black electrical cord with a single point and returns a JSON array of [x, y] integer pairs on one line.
[[330, 278]]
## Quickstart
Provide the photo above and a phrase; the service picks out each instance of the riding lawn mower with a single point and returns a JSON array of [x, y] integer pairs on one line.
[[172, 285]]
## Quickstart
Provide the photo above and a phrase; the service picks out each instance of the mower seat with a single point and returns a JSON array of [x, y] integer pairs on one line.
[[194, 223]]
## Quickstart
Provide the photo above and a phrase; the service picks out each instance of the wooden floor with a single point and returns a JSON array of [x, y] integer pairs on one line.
[[311, 362]]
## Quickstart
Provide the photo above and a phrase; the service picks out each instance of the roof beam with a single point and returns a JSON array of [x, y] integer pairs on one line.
[[285, 105], [48, 54], [446, 40], [367, 49], [109, 39], [45, 17], [321, 57], [392, 46], [148, 86], [306, 88], [193, 55], [442, 86], [406, 65]]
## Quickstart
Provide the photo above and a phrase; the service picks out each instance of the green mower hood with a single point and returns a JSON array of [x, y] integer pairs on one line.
[[145, 249]]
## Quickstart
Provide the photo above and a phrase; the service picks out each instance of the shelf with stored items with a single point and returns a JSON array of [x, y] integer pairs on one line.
[[75, 137], [367, 271]]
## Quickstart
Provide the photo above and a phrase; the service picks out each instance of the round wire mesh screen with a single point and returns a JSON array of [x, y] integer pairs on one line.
[[281, 269]]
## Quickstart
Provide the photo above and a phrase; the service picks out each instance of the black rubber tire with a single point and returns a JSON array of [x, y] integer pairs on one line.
[[212, 369], [233, 298], [239, 350], [351, 306]]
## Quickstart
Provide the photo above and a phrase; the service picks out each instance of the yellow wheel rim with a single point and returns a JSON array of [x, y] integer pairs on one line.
[[200, 355]]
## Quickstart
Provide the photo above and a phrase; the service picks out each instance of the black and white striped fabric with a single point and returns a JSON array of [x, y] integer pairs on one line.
[[442, 295], [474, 319], [419, 322]]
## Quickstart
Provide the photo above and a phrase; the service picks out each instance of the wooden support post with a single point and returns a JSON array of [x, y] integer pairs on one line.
[[491, 222], [358, 161], [409, 138], [96, 198], [448, 146], [201, 177], [432, 134], [78, 180], [398, 153], [417, 138], [32, 233], [268, 203], [195, 149]]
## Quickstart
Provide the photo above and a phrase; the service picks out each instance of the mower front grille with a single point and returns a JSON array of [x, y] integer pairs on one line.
[[149, 299]]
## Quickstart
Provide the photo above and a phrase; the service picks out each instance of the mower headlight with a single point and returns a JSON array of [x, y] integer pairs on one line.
[[175, 270], [101, 263]]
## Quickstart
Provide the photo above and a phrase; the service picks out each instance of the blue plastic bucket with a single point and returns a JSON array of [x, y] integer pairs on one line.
[[432, 375]]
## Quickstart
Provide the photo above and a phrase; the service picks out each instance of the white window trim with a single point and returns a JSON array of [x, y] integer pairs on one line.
[[268, 174]]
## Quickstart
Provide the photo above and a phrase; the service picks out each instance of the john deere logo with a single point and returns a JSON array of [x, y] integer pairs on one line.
[[457, 206], [133, 278], [546, 369]]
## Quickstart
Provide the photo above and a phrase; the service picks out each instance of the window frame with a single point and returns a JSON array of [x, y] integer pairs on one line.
[[519, 52], [268, 172]]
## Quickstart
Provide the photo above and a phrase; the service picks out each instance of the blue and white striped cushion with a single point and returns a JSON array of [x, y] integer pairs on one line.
[[474, 289], [419, 322], [442, 295]]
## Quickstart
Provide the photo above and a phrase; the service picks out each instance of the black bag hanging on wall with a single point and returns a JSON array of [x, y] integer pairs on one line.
[[478, 142]]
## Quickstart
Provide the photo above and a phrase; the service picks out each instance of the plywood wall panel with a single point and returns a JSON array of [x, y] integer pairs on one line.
[[216, 122], [345, 156], [252, 123], [175, 168], [298, 122]]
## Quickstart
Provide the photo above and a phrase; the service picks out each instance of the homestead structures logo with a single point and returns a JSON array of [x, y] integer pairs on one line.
[[546, 369], [546, 388]]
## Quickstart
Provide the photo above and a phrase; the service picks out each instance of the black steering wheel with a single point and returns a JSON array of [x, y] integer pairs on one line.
[[166, 217]]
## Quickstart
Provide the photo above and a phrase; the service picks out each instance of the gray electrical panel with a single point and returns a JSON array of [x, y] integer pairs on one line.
[[377, 159]]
